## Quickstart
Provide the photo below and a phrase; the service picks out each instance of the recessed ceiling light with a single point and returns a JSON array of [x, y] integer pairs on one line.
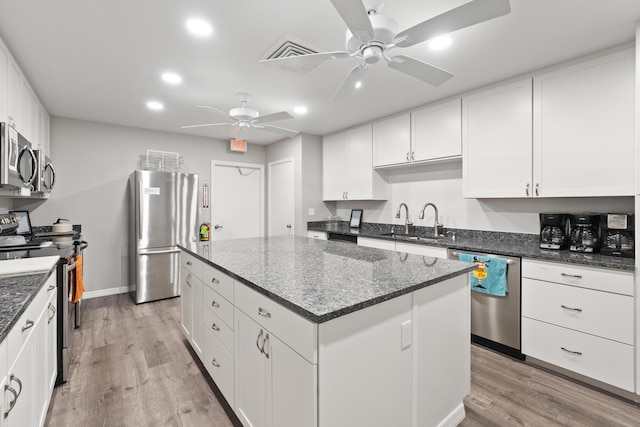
[[358, 85], [300, 109], [199, 27], [439, 43], [172, 78], [155, 105]]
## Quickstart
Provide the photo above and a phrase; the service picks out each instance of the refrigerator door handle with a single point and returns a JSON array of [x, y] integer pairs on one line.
[[138, 210], [161, 251]]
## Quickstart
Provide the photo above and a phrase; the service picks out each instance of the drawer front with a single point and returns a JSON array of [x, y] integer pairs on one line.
[[617, 281], [23, 328], [599, 313], [191, 263], [320, 235], [219, 363], [218, 281], [604, 360], [295, 331], [430, 251], [218, 305], [219, 329]]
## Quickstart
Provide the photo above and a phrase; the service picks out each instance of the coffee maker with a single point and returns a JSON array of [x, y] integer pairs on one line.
[[553, 231], [585, 233], [618, 235]]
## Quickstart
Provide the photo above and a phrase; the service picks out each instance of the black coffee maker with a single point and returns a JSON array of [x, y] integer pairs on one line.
[[585, 233], [553, 231], [618, 235]]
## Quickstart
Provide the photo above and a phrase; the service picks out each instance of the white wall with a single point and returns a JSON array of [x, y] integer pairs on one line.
[[93, 162], [441, 184]]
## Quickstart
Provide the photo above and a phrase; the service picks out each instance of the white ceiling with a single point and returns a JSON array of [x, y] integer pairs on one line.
[[101, 60]]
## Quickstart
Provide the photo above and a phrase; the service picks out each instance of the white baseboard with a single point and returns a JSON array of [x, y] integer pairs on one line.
[[106, 292], [454, 418]]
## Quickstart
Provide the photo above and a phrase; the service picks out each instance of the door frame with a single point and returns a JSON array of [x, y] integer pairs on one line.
[[238, 165], [293, 207]]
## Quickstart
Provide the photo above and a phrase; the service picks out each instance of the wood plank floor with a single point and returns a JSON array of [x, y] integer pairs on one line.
[[131, 367]]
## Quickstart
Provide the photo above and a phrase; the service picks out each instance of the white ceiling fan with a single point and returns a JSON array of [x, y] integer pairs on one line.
[[370, 36], [243, 118]]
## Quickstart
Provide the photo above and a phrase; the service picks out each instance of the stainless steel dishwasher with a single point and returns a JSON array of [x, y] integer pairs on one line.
[[495, 320]]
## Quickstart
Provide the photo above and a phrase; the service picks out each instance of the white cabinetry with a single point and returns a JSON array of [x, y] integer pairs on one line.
[[579, 319], [320, 235], [276, 368], [191, 300], [13, 94], [584, 119], [403, 247], [536, 138], [347, 169], [4, 58], [496, 142], [30, 346], [429, 134]]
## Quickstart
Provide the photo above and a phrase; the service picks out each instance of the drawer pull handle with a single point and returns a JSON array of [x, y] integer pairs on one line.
[[258, 341], [12, 403], [264, 313], [571, 308], [215, 304], [215, 327], [189, 263], [215, 281], [16, 379], [575, 276], [53, 313], [215, 363], [579, 353], [50, 288], [188, 279], [28, 325]]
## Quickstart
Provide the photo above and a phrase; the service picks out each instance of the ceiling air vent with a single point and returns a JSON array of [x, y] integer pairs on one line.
[[288, 46]]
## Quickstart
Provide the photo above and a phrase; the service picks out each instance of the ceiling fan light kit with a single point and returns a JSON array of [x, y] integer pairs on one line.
[[370, 36]]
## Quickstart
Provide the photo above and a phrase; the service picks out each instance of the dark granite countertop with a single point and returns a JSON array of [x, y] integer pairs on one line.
[[508, 244], [16, 293], [322, 280]]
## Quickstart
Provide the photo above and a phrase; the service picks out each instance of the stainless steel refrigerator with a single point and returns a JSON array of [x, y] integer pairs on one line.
[[163, 215]]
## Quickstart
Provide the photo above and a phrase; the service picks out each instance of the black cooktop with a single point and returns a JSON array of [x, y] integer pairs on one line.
[[38, 247]]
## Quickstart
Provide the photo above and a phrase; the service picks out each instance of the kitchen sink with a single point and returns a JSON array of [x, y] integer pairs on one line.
[[409, 237]]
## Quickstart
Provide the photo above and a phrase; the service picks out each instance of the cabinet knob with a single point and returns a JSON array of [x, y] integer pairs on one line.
[[215, 304], [189, 263], [215, 327], [28, 325], [50, 288], [264, 313], [215, 363], [215, 281]]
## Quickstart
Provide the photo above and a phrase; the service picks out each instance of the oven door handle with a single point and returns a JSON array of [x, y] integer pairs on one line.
[[81, 245]]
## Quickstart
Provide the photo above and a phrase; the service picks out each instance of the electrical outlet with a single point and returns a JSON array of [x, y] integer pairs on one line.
[[405, 334], [312, 212]]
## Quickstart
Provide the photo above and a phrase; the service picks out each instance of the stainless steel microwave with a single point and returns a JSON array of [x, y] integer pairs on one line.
[[45, 178], [18, 163]]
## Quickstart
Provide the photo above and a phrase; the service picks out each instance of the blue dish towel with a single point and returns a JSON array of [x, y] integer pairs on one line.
[[491, 275]]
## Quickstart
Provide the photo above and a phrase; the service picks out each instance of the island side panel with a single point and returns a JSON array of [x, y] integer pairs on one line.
[[443, 346], [364, 376]]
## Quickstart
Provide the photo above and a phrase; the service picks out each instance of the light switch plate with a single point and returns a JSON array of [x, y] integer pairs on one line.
[[312, 212]]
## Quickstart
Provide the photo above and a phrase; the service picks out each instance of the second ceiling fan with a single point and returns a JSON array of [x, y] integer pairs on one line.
[[370, 36]]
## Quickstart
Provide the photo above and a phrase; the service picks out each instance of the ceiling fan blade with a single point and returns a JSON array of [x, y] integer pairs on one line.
[[350, 81], [468, 14], [276, 129], [282, 115], [356, 17], [315, 58], [215, 110], [420, 70], [205, 124]]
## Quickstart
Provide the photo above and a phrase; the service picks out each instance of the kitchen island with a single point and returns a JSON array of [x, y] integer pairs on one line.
[[301, 332]]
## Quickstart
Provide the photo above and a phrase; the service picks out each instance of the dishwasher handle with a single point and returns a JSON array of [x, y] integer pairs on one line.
[[456, 254]]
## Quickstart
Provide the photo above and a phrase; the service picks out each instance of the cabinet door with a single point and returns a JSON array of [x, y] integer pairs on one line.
[[197, 332], [496, 142], [584, 128], [436, 132], [293, 384], [334, 165], [52, 339], [27, 112], [250, 372], [13, 94], [40, 377], [3, 84], [20, 379], [429, 251], [359, 164], [186, 302], [392, 141]]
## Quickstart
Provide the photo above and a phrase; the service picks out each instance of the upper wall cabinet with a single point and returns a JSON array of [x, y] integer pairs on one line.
[[583, 128], [566, 134], [347, 172], [496, 142], [429, 134], [3, 84]]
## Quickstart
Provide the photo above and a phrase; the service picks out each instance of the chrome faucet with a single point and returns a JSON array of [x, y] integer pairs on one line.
[[407, 223], [436, 224]]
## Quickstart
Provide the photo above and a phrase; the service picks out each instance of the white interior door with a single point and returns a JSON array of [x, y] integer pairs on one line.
[[280, 196], [237, 200]]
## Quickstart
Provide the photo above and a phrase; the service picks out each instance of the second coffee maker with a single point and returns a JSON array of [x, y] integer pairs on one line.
[[584, 235]]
